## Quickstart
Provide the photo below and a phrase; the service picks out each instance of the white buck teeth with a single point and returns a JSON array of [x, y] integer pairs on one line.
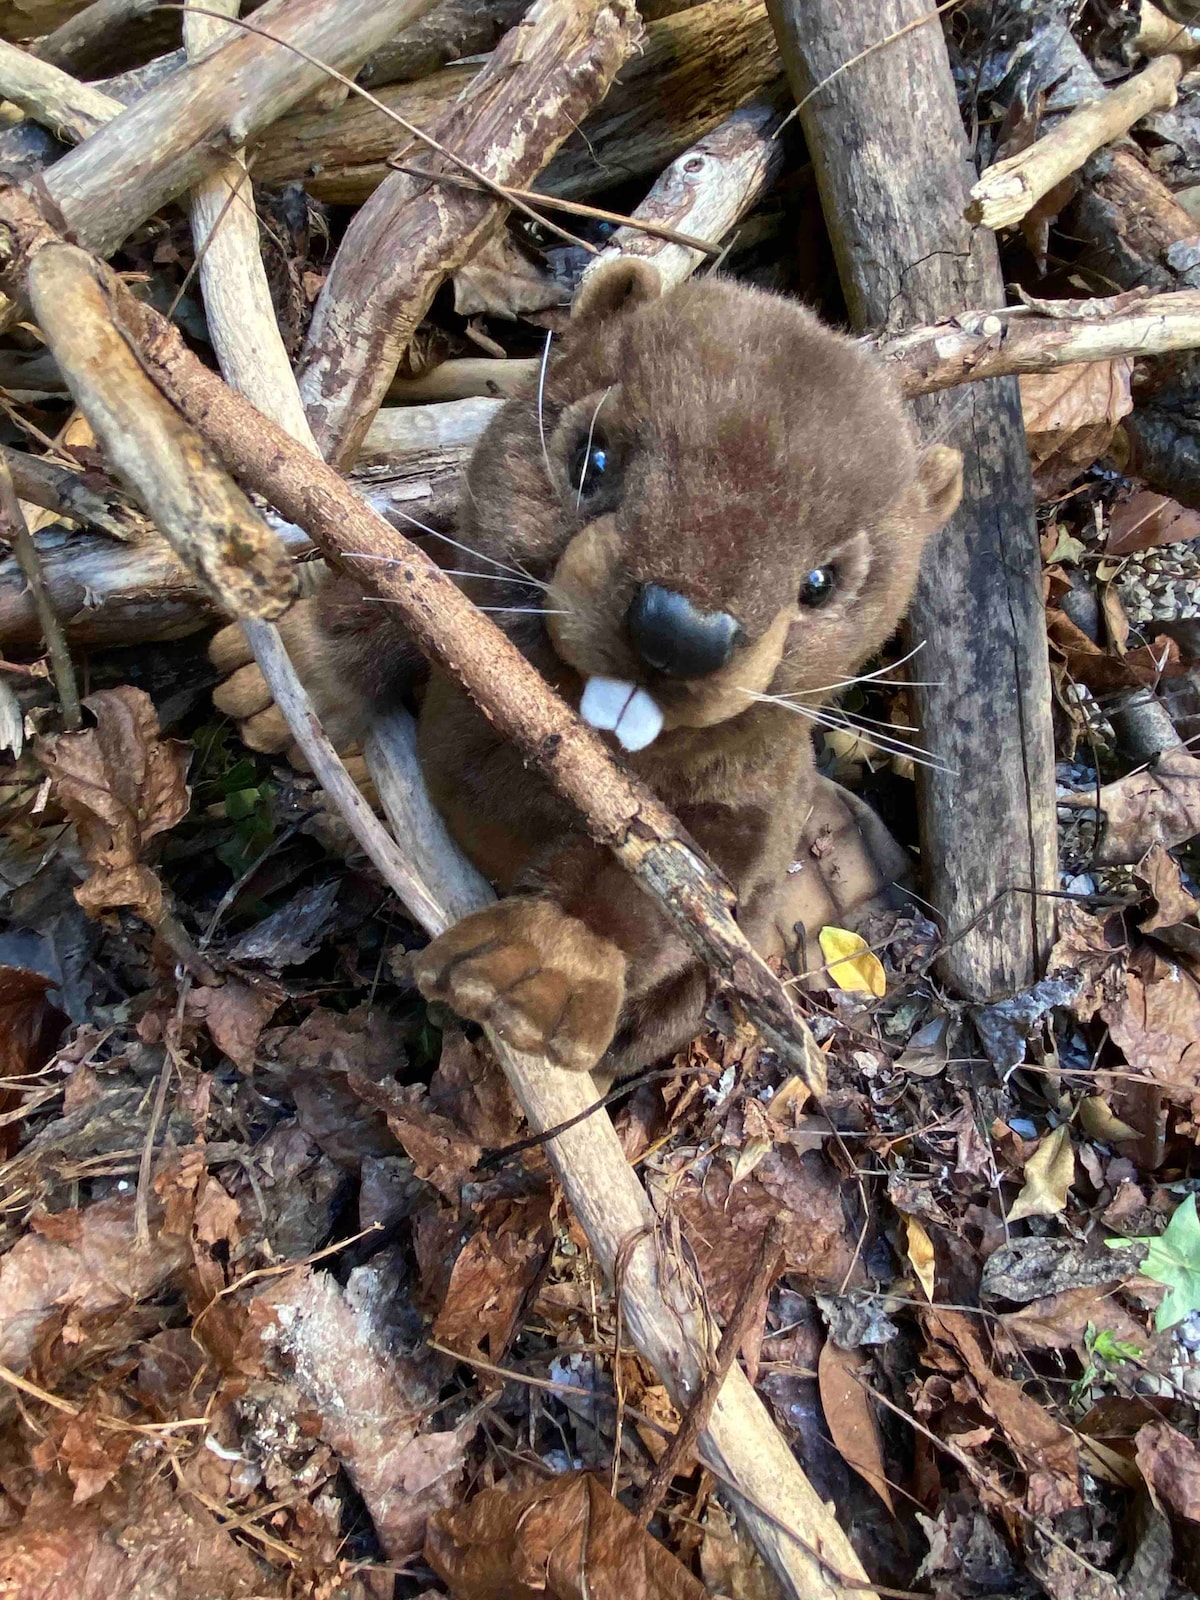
[[615, 706]]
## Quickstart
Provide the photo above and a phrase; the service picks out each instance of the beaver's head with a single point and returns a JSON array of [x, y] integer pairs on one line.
[[723, 496]]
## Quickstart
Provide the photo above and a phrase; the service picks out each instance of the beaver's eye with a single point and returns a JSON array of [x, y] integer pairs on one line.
[[817, 586], [591, 459]]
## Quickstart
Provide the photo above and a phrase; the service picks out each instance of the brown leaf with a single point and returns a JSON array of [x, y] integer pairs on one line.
[[1070, 415], [30, 1027], [493, 1273], [92, 1455], [142, 1543], [1158, 806], [1170, 1464], [235, 1015], [1047, 1451], [371, 1403], [1155, 1021], [79, 1263], [563, 1540], [441, 1153], [1060, 1321], [1160, 872], [121, 785], [853, 1427], [729, 1563], [1146, 520], [1103, 671]]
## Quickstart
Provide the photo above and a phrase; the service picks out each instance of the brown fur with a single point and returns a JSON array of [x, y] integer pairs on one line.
[[750, 444]]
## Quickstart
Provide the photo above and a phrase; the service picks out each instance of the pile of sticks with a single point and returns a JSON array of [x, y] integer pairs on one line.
[[225, 479]]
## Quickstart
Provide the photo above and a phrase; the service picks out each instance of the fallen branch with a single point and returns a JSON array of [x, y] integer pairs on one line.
[[57, 489], [70, 109], [171, 137], [452, 30], [707, 190], [1009, 190], [94, 35], [412, 234], [209, 522]]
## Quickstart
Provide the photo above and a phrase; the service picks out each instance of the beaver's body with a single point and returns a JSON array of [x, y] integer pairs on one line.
[[716, 498]]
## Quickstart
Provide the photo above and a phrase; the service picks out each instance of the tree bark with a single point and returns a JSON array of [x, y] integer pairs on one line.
[[413, 233], [695, 69], [453, 29], [894, 190], [70, 109]]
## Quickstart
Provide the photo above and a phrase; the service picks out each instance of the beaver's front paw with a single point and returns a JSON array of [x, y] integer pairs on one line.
[[538, 977]]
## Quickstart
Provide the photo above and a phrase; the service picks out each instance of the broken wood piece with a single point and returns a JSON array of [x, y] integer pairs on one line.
[[452, 30], [412, 234], [208, 520], [71, 110], [176, 133], [465, 378], [706, 191], [893, 189], [15, 531], [694, 71], [57, 489], [1158, 34], [86, 43], [1009, 190]]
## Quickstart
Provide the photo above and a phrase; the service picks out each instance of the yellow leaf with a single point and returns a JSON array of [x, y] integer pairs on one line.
[[1100, 1121], [851, 965], [920, 1253], [1049, 1173]]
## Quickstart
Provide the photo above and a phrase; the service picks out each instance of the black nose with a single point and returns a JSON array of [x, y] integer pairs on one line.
[[673, 637]]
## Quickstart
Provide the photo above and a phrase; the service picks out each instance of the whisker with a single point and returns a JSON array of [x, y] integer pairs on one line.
[[525, 611], [494, 577], [588, 447], [825, 719], [395, 561], [871, 677], [541, 395]]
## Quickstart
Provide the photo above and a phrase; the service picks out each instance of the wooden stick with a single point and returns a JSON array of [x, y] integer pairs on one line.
[[707, 189], [1009, 190], [411, 235], [210, 523], [756, 1286], [453, 29], [71, 110], [695, 70], [894, 191], [464, 379], [172, 136], [89, 39], [15, 530], [54, 488]]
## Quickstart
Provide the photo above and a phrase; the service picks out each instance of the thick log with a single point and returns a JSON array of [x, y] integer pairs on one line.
[[186, 127], [540, 83], [894, 191], [109, 35], [696, 68]]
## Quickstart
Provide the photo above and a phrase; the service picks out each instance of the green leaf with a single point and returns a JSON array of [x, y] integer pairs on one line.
[[241, 803], [1109, 1348], [1173, 1258]]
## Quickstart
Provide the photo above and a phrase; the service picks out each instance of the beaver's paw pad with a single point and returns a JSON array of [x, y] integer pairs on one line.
[[538, 977]]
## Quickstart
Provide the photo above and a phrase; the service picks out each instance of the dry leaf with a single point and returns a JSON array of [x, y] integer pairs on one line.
[[30, 1027], [492, 1275], [1158, 806], [1049, 1173], [850, 1416], [563, 1540], [371, 1404], [1101, 1122], [1060, 1321], [851, 963], [1070, 417], [79, 1264], [235, 1015], [919, 1249], [1160, 872], [730, 1565], [1047, 1451], [1154, 1019], [1146, 520], [1170, 1464], [121, 785]]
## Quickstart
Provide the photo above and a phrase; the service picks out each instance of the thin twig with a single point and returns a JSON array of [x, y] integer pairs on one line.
[[758, 1280], [15, 530]]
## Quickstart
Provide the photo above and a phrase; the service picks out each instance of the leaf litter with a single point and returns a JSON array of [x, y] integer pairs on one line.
[[285, 1311]]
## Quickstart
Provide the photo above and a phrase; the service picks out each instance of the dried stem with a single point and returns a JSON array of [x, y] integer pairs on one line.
[[15, 530]]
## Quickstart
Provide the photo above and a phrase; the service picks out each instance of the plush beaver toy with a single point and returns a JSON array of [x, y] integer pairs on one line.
[[709, 500]]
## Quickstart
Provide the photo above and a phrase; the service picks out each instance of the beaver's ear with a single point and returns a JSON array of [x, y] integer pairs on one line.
[[940, 476], [615, 286]]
